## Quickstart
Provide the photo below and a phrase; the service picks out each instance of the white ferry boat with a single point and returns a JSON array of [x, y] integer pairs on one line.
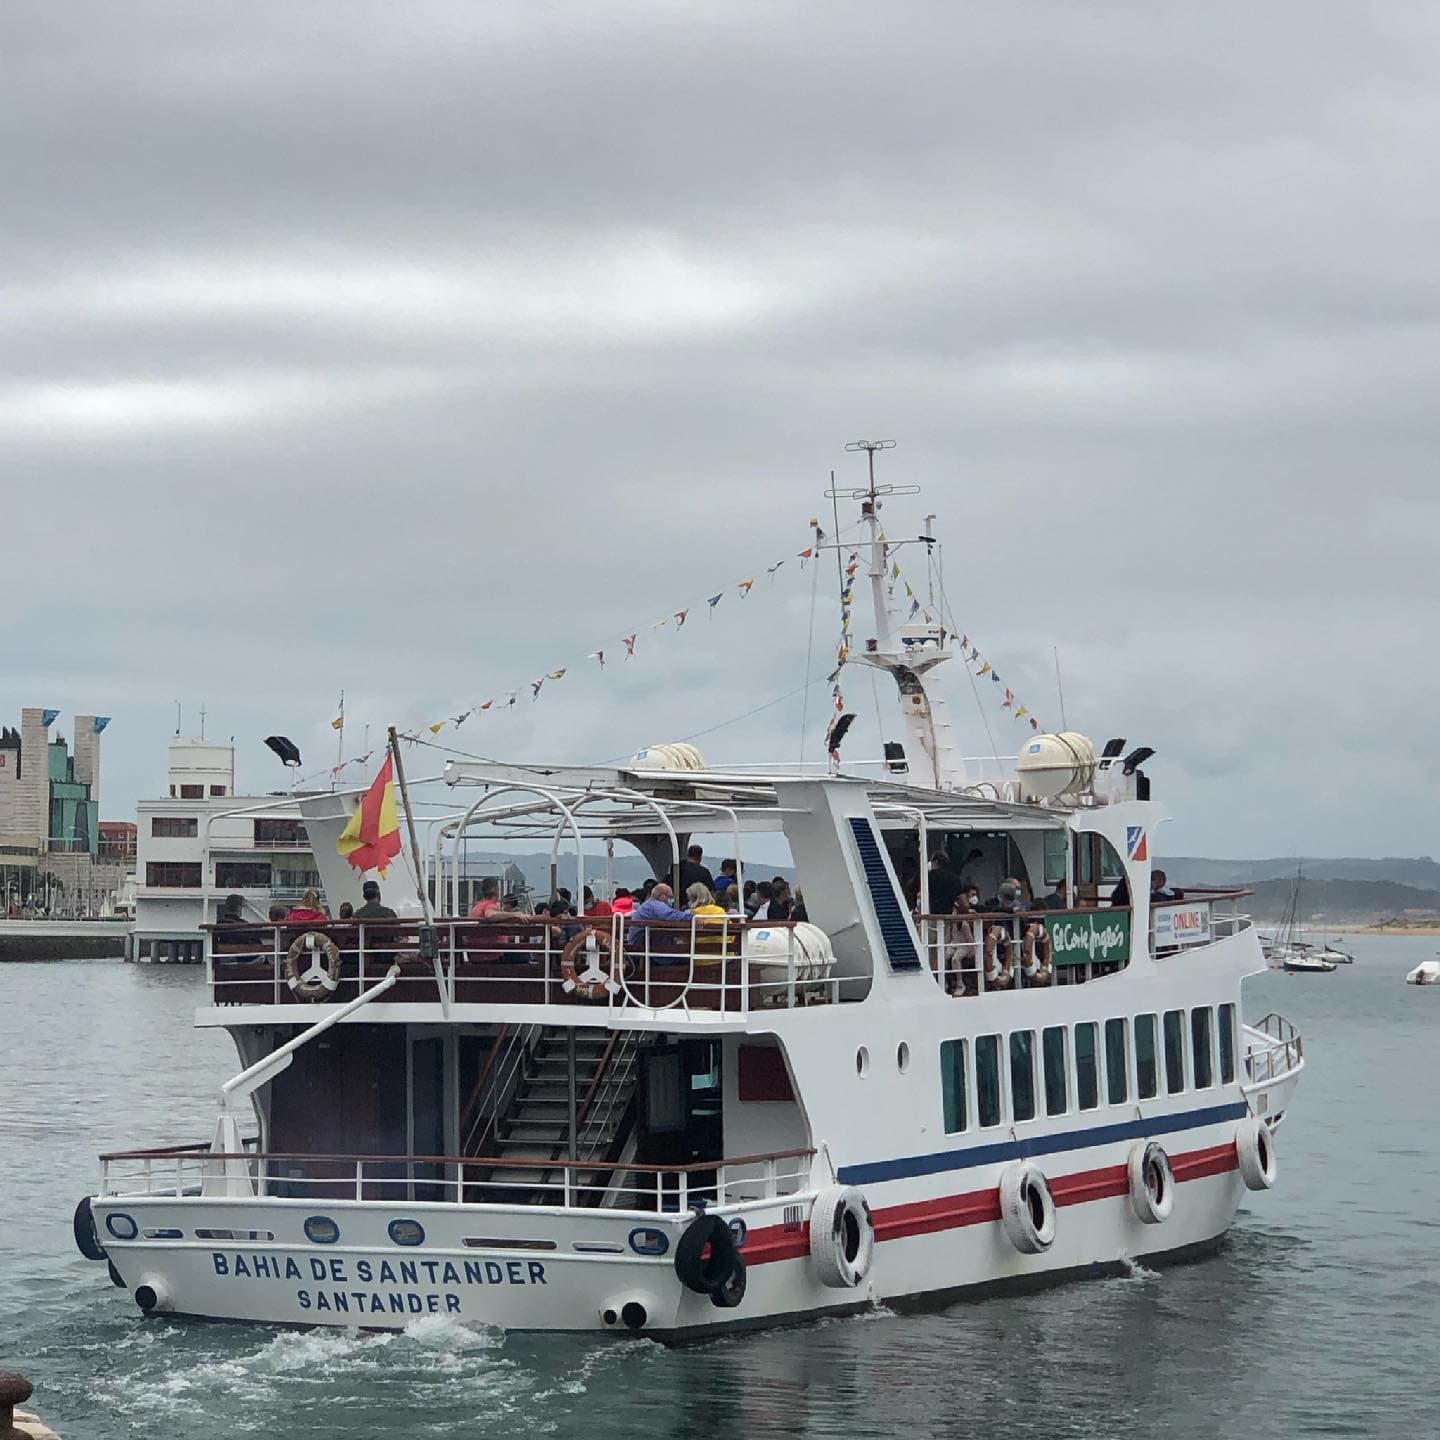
[[709, 1124]]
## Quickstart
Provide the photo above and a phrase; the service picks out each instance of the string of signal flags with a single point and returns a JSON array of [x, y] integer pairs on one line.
[[625, 648], [975, 662]]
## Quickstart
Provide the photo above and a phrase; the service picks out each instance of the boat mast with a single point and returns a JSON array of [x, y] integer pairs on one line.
[[932, 753]]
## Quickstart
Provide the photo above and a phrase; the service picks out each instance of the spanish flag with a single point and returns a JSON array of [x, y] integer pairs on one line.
[[372, 838]]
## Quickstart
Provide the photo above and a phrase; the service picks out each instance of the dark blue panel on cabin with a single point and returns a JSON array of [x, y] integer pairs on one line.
[[899, 942]]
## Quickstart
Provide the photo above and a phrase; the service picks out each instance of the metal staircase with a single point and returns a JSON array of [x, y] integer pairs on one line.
[[524, 1112]]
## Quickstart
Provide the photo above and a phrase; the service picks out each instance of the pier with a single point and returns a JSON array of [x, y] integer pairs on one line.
[[69, 939]]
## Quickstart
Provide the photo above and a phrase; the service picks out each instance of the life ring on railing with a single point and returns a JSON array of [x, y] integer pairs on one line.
[[591, 983], [1027, 1208], [1152, 1183], [706, 1259], [318, 981], [842, 1237], [997, 974], [1035, 956], [1255, 1150]]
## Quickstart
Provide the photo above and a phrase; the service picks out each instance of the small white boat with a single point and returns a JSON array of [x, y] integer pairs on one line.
[[1304, 962], [1427, 972]]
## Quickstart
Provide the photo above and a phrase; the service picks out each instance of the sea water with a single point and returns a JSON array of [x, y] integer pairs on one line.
[[1319, 1316]]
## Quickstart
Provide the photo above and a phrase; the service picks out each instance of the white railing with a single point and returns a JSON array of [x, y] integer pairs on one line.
[[180, 1171], [1274, 1048], [709, 963], [976, 954]]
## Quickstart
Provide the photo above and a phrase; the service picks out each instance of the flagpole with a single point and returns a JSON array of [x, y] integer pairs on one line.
[[420, 890]]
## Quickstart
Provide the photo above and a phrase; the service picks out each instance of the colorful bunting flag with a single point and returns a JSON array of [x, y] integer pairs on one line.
[[597, 655], [556, 674], [714, 600], [744, 586], [629, 646], [680, 618]]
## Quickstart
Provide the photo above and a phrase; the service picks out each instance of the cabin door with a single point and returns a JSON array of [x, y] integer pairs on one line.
[[430, 1074]]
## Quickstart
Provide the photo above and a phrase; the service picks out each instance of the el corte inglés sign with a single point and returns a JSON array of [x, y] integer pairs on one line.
[[1083, 939]]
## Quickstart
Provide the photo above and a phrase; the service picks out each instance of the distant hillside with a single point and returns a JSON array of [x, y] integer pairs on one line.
[[1343, 892], [1422, 873]]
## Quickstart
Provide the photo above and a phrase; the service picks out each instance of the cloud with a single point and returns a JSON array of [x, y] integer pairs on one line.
[[420, 351]]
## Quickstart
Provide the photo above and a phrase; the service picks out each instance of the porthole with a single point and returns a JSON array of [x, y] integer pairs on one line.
[[646, 1240], [862, 1061], [407, 1232], [121, 1226], [321, 1230], [902, 1057]]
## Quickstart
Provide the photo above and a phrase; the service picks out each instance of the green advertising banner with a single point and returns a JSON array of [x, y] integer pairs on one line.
[[1080, 938]]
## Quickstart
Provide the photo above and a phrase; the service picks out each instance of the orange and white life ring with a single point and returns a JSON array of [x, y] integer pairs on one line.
[[996, 974], [1035, 955], [317, 982], [593, 982]]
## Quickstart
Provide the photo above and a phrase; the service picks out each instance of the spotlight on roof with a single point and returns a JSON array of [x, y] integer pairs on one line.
[[1136, 758], [1111, 750], [287, 750]]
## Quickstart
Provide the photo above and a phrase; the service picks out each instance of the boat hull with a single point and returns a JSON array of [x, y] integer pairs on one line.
[[928, 1252]]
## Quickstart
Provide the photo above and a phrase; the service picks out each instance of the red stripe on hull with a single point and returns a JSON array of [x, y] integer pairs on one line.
[[980, 1207]]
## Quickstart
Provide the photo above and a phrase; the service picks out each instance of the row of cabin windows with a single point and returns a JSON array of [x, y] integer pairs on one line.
[[1077, 1062]]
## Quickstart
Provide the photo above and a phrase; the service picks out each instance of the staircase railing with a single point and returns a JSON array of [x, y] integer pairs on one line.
[[502, 1072]]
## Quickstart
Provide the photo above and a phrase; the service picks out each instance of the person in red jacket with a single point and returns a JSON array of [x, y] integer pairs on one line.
[[596, 908], [308, 911]]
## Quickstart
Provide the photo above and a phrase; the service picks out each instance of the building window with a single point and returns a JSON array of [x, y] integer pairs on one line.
[[242, 875], [173, 827], [1200, 1047], [952, 1085], [191, 792], [1117, 1066], [279, 832], [1087, 1069], [1022, 1074], [173, 874], [987, 1079], [218, 790], [1146, 1079], [1174, 1028], [1227, 1044], [1052, 1049]]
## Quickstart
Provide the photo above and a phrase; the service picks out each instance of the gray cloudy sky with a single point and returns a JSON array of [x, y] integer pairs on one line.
[[418, 349]]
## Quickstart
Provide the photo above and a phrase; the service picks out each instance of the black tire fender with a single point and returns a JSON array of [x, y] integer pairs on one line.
[[702, 1273], [732, 1292], [87, 1237]]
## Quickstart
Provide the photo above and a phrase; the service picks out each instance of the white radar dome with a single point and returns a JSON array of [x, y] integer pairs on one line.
[[1054, 765], [678, 756]]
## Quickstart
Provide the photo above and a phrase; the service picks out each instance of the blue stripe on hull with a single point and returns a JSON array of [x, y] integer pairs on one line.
[[915, 1165]]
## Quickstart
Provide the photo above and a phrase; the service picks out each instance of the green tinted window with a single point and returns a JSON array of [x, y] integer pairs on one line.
[[952, 1084], [1022, 1075], [1146, 1080], [987, 1079], [1174, 1027], [1227, 1044], [1200, 1047], [1052, 1049], [1087, 1074], [1117, 1068]]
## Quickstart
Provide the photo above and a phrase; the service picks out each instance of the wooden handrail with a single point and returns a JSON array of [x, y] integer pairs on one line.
[[510, 1162]]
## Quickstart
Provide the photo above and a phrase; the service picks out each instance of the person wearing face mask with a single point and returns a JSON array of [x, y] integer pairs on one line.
[[962, 953]]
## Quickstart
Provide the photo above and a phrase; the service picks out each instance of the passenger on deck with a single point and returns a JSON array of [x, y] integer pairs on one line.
[[798, 913], [489, 901], [726, 878], [372, 909], [701, 901], [764, 893], [1120, 895], [1058, 898], [748, 902], [657, 907], [1009, 899], [780, 902], [692, 872], [962, 954], [623, 903], [1159, 891], [308, 911], [278, 915], [594, 908], [944, 884], [347, 910]]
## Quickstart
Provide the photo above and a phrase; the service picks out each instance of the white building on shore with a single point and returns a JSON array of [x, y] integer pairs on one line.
[[202, 842]]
